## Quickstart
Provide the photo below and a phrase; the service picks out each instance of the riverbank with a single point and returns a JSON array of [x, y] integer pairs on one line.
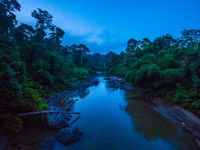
[[59, 122], [119, 83], [111, 118], [180, 116]]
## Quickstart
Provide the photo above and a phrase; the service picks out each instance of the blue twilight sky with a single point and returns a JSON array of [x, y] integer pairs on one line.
[[105, 25]]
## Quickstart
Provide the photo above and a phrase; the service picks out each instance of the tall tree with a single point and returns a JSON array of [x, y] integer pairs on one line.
[[7, 16], [83, 50], [131, 45], [44, 23]]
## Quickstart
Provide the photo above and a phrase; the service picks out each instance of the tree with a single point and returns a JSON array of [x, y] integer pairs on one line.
[[145, 42], [10, 89], [7, 16], [132, 44], [56, 35], [23, 32], [44, 23], [111, 59], [83, 50], [79, 52], [190, 38], [44, 19], [164, 42]]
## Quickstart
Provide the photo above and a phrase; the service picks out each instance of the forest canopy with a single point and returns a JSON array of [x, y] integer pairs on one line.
[[33, 63], [167, 67]]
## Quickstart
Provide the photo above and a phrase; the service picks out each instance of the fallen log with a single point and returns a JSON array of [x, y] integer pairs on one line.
[[46, 111]]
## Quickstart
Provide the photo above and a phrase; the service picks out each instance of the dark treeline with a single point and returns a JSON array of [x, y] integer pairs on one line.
[[166, 67], [34, 64]]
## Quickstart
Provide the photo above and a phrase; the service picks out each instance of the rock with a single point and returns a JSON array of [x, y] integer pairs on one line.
[[48, 143], [183, 124], [83, 94], [58, 120], [86, 84], [119, 83], [196, 134], [68, 135], [95, 82]]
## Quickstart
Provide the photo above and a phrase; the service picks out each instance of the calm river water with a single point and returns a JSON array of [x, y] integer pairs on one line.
[[111, 119]]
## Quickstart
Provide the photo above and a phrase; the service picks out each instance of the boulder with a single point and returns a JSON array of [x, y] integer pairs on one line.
[[58, 120], [48, 143], [68, 135], [96, 82]]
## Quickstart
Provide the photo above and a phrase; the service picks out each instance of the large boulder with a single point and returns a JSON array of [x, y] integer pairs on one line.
[[48, 143], [68, 135], [58, 119]]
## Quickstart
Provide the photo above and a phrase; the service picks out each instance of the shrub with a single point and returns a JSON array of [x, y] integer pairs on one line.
[[31, 98], [10, 123]]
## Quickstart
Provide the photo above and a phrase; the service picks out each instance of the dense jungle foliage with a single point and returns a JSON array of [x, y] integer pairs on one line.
[[165, 67], [34, 64]]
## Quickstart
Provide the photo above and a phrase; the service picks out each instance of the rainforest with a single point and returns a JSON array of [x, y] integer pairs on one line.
[[149, 92]]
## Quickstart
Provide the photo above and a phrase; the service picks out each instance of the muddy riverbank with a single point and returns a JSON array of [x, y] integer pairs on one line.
[[180, 116]]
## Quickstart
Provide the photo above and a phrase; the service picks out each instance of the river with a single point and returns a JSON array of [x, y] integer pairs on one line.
[[111, 119]]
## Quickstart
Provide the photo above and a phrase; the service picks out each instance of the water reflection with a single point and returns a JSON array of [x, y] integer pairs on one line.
[[153, 126], [111, 119]]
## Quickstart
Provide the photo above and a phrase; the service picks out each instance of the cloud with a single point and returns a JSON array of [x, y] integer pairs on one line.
[[70, 23], [77, 30]]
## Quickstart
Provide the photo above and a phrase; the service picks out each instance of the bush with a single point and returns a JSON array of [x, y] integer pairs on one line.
[[31, 98], [10, 123]]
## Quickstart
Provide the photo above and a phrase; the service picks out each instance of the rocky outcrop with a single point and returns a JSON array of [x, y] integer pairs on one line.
[[119, 83], [64, 101], [184, 118], [68, 135], [58, 120]]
